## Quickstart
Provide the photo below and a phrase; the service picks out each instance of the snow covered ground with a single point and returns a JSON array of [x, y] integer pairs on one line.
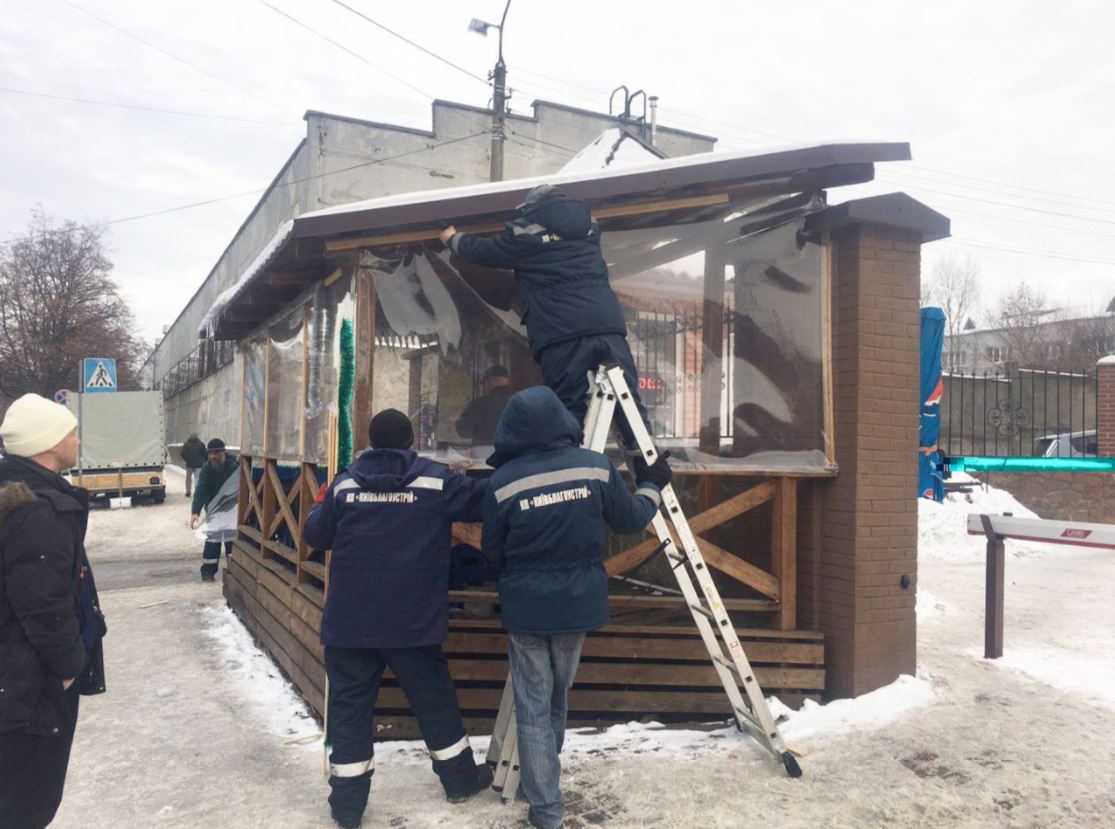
[[199, 729]]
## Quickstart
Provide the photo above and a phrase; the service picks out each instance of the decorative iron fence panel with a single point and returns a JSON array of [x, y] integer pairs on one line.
[[1019, 413]]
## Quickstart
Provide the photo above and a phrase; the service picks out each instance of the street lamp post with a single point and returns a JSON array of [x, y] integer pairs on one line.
[[499, 94]]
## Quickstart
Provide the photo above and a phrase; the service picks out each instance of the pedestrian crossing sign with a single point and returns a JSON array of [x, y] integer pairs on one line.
[[98, 374]]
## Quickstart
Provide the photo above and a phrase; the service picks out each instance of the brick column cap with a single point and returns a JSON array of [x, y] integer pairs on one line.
[[896, 210], [1109, 360]]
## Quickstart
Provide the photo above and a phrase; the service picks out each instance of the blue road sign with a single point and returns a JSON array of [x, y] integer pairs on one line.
[[98, 374]]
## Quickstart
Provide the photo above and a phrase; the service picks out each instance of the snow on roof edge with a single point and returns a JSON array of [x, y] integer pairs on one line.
[[263, 258]]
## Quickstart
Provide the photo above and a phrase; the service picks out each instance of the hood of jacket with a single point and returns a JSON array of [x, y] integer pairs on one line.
[[22, 480], [534, 419], [383, 470], [569, 218]]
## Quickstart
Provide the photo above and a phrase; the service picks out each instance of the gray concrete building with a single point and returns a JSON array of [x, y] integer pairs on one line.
[[342, 160]]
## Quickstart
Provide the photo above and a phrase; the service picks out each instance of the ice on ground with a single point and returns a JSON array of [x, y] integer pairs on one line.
[[256, 676]]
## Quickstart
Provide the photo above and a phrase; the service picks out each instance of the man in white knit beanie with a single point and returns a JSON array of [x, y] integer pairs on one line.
[[50, 620]]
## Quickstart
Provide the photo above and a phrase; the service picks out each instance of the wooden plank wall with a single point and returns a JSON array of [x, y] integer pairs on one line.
[[628, 671]]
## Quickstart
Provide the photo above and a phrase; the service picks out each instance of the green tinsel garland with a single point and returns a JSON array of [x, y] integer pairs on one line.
[[344, 395]]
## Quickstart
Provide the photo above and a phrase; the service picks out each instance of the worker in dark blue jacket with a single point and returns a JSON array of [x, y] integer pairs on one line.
[[544, 516], [387, 521], [573, 318]]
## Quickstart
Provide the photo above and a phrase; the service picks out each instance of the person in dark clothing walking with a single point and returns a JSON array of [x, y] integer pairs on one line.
[[194, 455], [51, 625], [208, 496], [573, 318], [544, 516], [478, 421], [387, 521]]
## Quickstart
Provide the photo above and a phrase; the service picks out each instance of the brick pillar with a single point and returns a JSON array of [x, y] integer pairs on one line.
[[859, 532], [1105, 406]]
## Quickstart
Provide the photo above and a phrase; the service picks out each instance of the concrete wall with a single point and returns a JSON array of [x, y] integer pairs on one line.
[[332, 166]]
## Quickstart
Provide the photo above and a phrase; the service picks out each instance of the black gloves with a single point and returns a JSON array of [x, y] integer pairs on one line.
[[657, 473]]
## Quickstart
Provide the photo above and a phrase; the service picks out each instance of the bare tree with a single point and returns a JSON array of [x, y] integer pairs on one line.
[[1019, 318], [59, 304], [955, 287]]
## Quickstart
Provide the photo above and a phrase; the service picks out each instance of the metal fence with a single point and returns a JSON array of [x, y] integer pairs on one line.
[[1019, 412], [203, 361], [668, 349]]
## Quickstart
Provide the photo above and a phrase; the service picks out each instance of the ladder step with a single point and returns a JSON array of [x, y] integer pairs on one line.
[[726, 663], [704, 611]]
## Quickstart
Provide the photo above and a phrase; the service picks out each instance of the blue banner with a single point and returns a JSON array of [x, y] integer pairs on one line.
[[930, 475]]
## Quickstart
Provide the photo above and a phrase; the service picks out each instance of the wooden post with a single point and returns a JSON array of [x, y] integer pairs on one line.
[[365, 337], [826, 349], [712, 368], [270, 506], [784, 550], [993, 598]]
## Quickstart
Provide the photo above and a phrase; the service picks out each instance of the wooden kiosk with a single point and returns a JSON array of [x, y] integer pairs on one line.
[[725, 265]]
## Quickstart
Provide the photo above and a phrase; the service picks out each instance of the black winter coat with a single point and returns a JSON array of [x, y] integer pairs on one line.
[[554, 248], [193, 453], [50, 620], [387, 519], [544, 517]]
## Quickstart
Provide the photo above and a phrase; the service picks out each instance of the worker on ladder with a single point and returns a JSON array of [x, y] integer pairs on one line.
[[387, 521], [544, 516], [573, 318]]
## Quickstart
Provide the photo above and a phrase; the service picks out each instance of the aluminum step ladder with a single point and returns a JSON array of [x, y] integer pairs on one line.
[[749, 706]]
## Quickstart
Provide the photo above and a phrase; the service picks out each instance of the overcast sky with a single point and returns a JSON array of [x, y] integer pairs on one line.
[[1009, 107]]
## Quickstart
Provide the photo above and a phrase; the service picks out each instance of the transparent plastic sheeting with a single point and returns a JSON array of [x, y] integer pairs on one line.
[[295, 367], [724, 319], [255, 373]]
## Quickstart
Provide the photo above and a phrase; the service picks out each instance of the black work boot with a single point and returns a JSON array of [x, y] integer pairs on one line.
[[534, 822], [471, 787]]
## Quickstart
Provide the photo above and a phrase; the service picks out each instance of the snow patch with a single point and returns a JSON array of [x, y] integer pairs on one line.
[[256, 678], [814, 722], [874, 710], [943, 528], [613, 148], [1062, 669], [928, 607]]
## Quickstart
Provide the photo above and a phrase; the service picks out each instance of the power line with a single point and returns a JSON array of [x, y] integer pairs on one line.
[[734, 127], [169, 54], [997, 203], [407, 40], [345, 49], [1048, 254], [540, 141], [141, 107], [277, 185], [999, 192]]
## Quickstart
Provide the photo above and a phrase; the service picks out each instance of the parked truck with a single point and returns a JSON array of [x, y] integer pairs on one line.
[[123, 444]]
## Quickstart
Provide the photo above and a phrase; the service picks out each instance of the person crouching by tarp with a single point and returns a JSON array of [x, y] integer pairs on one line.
[[51, 625], [387, 521], [544, 516], [193, 454], [218, 489]]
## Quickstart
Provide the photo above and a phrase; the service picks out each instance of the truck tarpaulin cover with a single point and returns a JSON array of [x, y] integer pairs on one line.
[[124, 429]]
